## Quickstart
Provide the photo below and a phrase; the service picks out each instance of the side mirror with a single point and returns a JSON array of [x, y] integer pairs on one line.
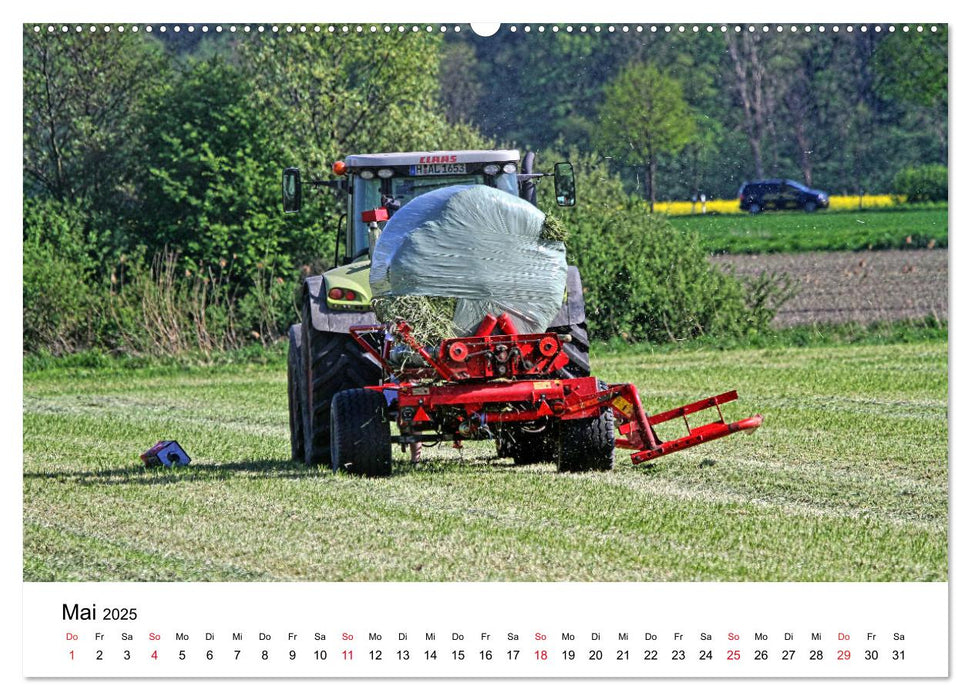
[[292, 190], [564, 185]]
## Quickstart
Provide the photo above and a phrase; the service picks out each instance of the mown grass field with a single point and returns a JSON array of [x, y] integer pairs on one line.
[[797, 231], [847, 480]]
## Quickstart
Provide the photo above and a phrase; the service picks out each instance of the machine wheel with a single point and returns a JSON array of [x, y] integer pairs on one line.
[[810, 207], [754, 209], [360, 436], [332, 362], [295, 392], [528, 448], [587, 444]]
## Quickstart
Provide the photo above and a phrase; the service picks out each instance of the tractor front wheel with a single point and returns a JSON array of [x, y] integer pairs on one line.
[[360, 435], [295, 392]]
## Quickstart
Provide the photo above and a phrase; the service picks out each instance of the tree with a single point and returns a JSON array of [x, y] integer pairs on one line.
[[80, 92], [763, 67], [327, 96], [460, 87], [644, 116], [696, 61], [324, 97], [912, 68], [209, 166]]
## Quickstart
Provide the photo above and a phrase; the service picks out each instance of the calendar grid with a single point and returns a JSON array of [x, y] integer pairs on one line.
[[485, 630]]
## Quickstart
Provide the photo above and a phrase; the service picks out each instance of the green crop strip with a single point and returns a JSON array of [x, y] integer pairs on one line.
[[791, 232]]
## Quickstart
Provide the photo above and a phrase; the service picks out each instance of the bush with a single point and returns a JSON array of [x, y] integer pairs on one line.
[[644, 280], [59, 308], [174, 308], [171, 307], [924, 183], [210, 178]]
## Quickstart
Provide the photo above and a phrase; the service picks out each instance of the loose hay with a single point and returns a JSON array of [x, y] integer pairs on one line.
[[430, 318], [553, 229]]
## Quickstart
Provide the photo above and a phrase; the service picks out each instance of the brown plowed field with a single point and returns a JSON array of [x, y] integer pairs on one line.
[[865, 287]]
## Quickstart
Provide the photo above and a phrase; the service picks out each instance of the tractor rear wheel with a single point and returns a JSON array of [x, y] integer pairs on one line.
[[587, 444], [578, 350], [332, 362], [571, 319], [295, 392], [360, 436]]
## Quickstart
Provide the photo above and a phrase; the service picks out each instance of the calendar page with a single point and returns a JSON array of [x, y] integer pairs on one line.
[[559, 347]]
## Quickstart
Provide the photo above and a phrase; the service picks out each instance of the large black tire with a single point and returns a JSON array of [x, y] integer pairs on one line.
[[332, 362], [587, 444], [527, 188], [360, 436], [572, 319], [528, 447], [295, 392], [578, 350], [810, 206]]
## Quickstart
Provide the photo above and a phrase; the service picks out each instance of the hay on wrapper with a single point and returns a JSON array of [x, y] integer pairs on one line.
[[430, 318], [484, 249], [553, 229]]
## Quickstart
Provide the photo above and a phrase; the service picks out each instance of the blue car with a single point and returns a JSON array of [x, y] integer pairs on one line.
[[755, 197]]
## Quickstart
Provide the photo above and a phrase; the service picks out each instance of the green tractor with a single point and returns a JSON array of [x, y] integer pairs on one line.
[[324, 359]]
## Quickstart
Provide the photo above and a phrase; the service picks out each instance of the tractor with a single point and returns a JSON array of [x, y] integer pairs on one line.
[[529, 392], [324, 357]]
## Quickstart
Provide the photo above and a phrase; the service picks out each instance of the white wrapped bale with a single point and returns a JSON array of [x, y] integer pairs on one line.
[[478, 245]]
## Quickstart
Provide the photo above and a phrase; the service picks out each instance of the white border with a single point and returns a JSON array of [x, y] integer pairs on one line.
[[495, 10]]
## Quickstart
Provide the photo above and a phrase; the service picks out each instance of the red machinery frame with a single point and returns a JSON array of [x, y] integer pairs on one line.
[[498, 377]]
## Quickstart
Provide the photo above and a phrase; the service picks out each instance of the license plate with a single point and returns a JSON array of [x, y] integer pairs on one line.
[[437, 169]]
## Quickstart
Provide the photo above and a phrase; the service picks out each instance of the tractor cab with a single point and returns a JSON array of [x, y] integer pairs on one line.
[[376, 185], [391, 180]]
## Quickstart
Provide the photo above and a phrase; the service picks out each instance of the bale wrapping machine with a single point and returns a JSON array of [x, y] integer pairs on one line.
[[478, 387]]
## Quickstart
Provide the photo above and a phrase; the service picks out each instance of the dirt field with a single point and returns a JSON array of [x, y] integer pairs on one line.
[[864, 286]]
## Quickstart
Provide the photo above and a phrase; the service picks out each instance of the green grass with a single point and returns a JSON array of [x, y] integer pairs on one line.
[[809, 335], [847, 480], [790, 232]]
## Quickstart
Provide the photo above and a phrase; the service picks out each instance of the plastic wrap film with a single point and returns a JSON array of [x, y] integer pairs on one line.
[[478, 245]]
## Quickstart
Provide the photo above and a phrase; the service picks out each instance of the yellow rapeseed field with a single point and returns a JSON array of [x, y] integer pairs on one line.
[[870, 201], [730, 206]]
